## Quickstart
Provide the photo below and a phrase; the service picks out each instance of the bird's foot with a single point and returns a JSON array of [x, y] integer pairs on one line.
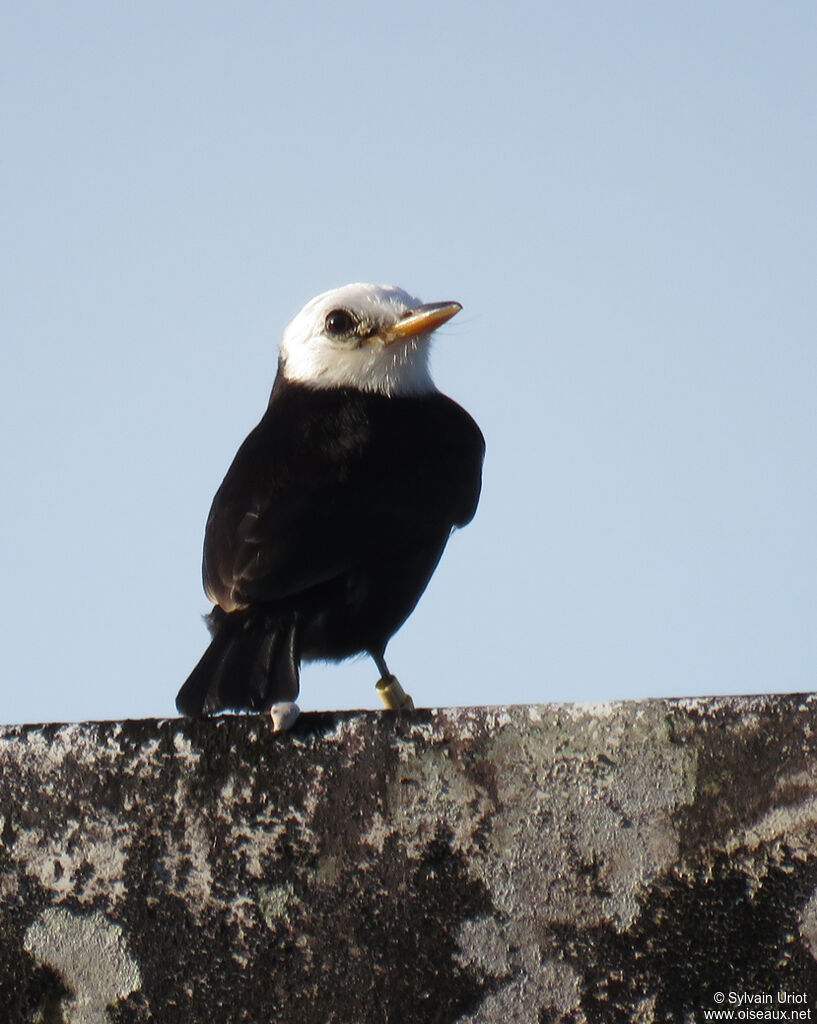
[[284, 714], [393, 695]]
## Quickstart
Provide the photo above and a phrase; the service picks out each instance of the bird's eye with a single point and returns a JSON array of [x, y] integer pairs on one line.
[[339, 323]]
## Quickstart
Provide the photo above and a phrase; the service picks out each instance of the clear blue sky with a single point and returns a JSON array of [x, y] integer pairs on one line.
[[622, 196]]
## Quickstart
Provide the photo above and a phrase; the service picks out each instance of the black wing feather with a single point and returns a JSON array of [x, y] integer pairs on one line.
[[324, 477]]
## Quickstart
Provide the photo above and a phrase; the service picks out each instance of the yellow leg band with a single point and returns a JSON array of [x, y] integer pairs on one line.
[[393, 695]]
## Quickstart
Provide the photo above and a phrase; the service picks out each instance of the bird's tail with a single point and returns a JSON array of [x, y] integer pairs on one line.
[[252, 663]]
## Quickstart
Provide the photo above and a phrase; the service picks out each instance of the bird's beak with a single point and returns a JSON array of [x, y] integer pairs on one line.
[[422, 320]]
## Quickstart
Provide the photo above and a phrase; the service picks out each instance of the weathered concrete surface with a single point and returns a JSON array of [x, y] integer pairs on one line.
[[606, 863]]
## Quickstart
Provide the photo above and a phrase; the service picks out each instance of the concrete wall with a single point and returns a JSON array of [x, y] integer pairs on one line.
[[606, 863]]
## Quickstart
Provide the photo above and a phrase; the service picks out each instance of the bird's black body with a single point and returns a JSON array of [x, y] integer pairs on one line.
[[325, 532]]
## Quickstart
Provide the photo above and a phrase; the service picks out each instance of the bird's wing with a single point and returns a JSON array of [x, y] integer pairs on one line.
[[288, 517], [268, 543]]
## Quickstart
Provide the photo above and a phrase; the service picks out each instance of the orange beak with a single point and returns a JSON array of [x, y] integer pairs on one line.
[[423, 320]]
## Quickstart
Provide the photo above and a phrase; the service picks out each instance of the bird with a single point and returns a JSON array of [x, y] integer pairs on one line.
[[337, 507]]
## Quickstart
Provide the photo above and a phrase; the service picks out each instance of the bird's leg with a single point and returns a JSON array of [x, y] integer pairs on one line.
[[283, 714], [285, 683], [388, 686]]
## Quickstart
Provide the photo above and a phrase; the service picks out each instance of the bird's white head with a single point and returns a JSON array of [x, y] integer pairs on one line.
[[366, 336]]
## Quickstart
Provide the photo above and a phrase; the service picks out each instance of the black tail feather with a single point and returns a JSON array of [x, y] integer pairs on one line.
[[252, 662]]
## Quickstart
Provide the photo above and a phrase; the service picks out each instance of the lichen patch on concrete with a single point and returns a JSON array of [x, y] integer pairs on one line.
[[90, 954], [273, 901]]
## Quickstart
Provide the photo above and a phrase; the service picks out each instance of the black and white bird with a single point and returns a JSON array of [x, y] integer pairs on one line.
[[338, 505]]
